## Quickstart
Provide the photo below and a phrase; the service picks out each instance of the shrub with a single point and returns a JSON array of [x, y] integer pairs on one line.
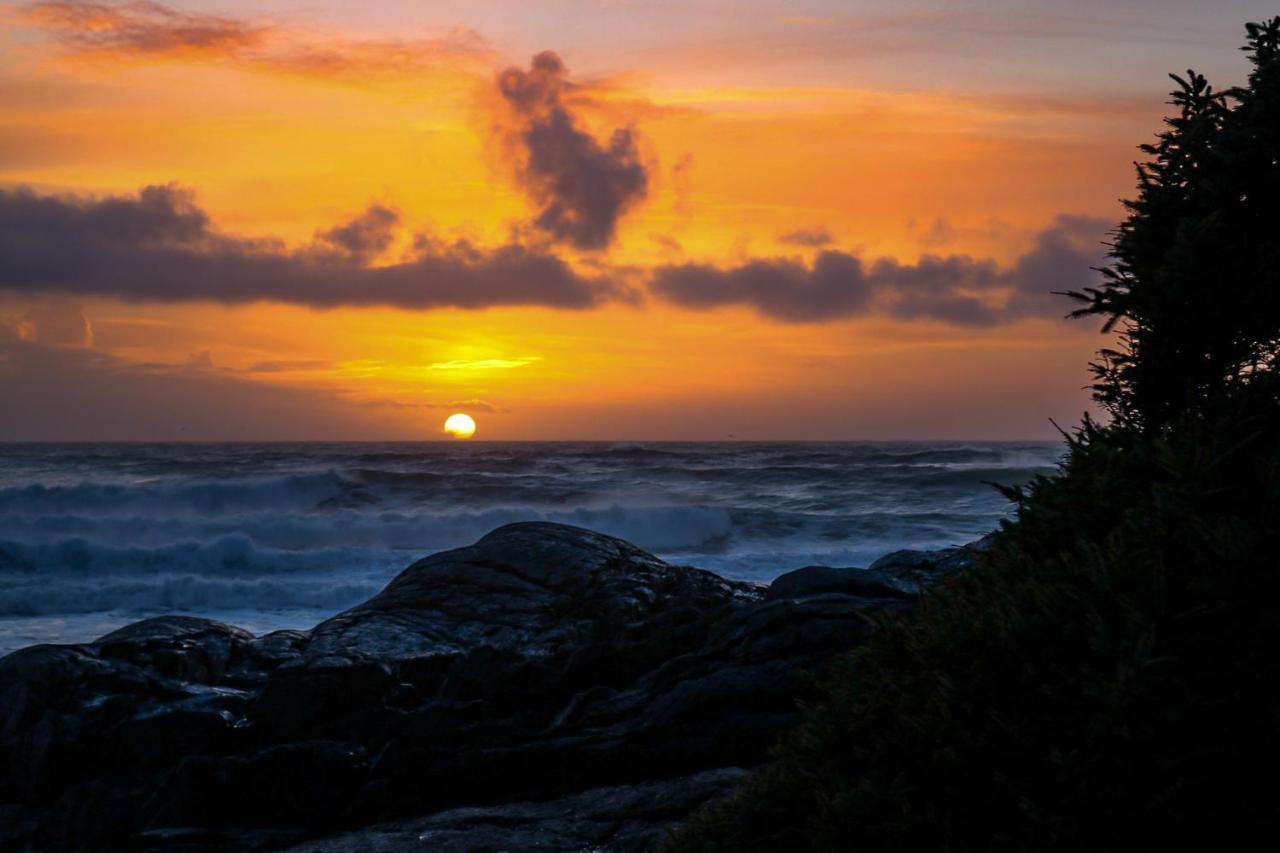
[[1107, 678]]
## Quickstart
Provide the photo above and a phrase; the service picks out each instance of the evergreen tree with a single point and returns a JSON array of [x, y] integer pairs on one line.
[[1193, 285]]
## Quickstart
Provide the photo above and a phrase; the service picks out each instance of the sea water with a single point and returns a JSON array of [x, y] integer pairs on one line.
[[93, 536]]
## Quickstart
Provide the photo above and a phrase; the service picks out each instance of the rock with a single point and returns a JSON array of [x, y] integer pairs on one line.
[[816, 580], [899, 574], [546, 686], [138, 698], [181, 647], [916, 569], [278, 647], [545, 588], [620, 819], [306, 785]]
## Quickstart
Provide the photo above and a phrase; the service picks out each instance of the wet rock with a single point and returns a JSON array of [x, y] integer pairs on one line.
[[543, 665], [307, 785], [180, 647], [916, 569], [545, 588], [817, 580], [620, 819]]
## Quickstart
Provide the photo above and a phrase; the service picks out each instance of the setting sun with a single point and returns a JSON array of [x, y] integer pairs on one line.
[[460, 425]]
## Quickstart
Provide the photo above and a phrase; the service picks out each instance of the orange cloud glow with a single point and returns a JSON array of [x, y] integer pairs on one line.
[[390, 224]]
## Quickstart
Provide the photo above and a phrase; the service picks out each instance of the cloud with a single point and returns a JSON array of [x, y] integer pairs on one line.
[[197, 361], [893, 40], [56, 322], [667, 244], [483, 363], [160, 246], [364, 238], [956, 289], [834, 286], [939, 233], [456, 49], [1059, 261], [581, 186], [812, 237], [73, 394], [133, 32], [142, 27], [951, 289], [288, 365], [470, 405]]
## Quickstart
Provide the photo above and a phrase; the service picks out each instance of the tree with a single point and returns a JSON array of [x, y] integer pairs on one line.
[[1104, 677], [1192, 288]]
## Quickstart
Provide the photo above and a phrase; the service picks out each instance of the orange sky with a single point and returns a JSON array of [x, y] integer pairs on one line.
[[285, 126]]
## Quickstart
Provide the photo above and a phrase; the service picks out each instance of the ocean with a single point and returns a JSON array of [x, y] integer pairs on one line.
[[266, 536]]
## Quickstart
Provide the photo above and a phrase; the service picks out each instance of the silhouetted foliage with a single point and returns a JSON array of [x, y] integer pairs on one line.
[[1107, 677], [1193, 288]]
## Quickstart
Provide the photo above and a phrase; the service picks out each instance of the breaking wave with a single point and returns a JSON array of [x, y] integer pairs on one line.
[[283, 532]]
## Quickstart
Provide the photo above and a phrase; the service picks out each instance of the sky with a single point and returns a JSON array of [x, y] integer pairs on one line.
[[576, 219]]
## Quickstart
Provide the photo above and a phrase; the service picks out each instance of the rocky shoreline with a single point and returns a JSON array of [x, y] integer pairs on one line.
[[547, 688]]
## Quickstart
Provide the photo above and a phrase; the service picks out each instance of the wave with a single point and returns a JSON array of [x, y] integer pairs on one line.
[[316, 528], [270, 546], [181, 593], [235, 555], [634, 450], [873, 455], [581, 476], [948, 479], [208, 497], [298, 541], [330, 567]]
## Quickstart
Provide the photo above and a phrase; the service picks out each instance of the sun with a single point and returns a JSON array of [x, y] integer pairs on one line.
[[460, 425]]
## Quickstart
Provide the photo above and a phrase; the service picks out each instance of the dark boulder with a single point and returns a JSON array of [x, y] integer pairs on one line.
[[545, 588], [621, 819], [180, 647], [916, 569], [817, 580], [544, 663], [305, 785]]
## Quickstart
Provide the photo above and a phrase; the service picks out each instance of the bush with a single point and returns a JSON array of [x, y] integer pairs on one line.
[[1107, 678]]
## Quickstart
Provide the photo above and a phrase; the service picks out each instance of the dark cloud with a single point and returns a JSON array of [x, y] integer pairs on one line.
[[160, 246], [813, 237], [834, 286], [76, 394], [365, 237], [141, 27], [581, 186], [150, 31], [956, 289], [938, 288], [1060, 260]]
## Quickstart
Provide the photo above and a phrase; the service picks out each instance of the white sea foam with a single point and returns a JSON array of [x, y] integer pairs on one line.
[[276, 534]]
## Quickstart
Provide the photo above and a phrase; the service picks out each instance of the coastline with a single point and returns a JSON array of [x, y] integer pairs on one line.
[[592, 670], [282, 536]]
